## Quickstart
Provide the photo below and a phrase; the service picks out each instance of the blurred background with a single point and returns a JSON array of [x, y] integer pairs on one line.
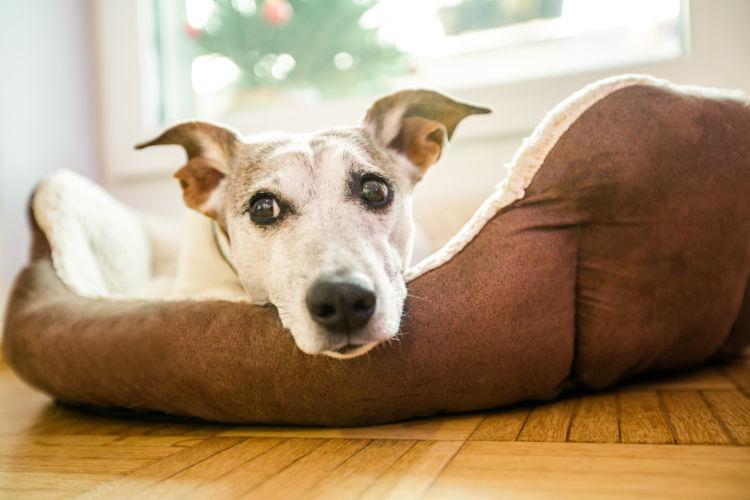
[[84, 80]]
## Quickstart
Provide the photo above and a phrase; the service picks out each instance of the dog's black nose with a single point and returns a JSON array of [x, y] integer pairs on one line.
[[342, 302]]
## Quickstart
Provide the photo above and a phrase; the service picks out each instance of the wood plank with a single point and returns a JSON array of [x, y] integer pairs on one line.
[[178, 441], [26, 403], [71, 423], [186, 483], [642, 419], [503, 425], [94, 440], [55, 419], [12, 427], [739, 373], [485, 469], [6, 442], [548, 422], [121, 427], [58, 420], [254, 472], [692, 420], [38, 493], [88, 465], [189, 430], [448, 428], [733, 409], [414, 472], [596, 420], [138, 428], [104, 453], [20, 481], [308, 470], [29, 454], [156, 471], [360, 471]]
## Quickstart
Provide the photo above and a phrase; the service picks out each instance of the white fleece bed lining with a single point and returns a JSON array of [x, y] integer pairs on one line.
[[100, 248]]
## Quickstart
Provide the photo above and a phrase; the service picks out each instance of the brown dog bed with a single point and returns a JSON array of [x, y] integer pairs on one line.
[[619, 244]]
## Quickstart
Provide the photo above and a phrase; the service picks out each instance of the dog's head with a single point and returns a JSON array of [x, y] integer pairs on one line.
[[320, 225]]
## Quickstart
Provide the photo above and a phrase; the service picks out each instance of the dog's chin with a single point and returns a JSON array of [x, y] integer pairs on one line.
[[349, 351]]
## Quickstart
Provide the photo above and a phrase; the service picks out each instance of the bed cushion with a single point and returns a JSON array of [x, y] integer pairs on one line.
[[619, 244]]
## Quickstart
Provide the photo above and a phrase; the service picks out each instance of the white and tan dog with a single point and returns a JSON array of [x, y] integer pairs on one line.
[[318, 225]]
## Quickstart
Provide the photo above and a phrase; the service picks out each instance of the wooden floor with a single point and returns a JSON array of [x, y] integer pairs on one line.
[[682, 437]]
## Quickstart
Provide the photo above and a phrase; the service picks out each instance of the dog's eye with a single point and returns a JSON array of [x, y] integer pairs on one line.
[[264, 209], [375, 191]]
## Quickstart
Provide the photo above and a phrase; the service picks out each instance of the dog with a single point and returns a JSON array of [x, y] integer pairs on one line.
[[318, 225]]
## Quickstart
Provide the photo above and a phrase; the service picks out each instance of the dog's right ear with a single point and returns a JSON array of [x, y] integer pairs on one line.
[[209, 148]]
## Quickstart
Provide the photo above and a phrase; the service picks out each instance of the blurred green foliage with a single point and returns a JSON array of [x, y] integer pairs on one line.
[[299, 44]]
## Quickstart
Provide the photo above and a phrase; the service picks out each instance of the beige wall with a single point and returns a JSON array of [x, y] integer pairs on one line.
[[46, 109]]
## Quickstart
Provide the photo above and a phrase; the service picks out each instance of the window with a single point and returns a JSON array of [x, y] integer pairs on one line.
[[212, 58]]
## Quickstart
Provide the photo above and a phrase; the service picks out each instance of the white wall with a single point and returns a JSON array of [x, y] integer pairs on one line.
[[46, 109]]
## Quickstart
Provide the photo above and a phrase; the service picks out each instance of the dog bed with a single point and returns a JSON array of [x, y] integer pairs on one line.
[[619, 244]]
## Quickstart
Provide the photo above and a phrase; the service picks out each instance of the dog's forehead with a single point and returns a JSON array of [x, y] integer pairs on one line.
[[300, 164], [357, 147]]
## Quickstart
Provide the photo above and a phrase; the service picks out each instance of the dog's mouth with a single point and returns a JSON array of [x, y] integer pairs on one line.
[[349, 350]]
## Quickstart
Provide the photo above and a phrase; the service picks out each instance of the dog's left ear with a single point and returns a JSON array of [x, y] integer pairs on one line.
[[417, 123]]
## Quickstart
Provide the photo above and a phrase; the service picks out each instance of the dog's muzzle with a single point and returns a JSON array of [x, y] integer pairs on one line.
[[342, 302]]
